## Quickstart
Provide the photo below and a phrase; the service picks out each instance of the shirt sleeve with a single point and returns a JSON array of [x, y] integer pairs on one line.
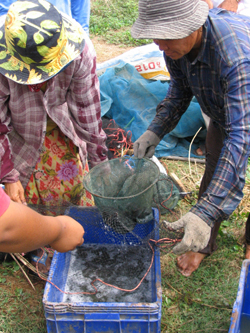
[[225, 190], [176, 102], [4, 201], [7, 172], [84, 102]]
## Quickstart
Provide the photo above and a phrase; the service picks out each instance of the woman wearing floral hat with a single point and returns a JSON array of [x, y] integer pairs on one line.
[[50, 116]]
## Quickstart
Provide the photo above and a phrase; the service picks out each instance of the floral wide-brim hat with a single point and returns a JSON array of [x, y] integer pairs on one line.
[[37, 41]]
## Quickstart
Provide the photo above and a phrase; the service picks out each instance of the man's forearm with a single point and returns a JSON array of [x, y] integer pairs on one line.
[[231, 5]]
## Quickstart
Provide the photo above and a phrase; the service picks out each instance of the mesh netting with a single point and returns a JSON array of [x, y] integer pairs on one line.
[[123, 236], [166, 194], [123, 191], [110, 266]]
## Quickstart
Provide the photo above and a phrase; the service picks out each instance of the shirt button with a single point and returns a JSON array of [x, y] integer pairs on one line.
[[198, 95], [193, 74]]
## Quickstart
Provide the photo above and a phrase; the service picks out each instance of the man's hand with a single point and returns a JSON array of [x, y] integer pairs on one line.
[[196, 233], [71, 235], [231, 5], [15, 191], [145, 145]]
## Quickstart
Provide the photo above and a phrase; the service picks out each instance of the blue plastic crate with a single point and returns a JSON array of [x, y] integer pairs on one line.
[[240, 319], [90, 317]]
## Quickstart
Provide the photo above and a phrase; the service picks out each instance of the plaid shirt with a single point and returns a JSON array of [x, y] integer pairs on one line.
[[71, 100], [219, 78]]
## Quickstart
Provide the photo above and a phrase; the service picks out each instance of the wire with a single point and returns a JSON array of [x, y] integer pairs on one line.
[[168, 241]]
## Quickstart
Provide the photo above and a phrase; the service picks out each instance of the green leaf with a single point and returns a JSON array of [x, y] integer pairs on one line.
[[22, 38], [48, 24], [45, 157], [44, 69], [43, 50], [74, 37], [51, 172], [34, 14], [21, 44], [225, 223], [27, 60], [45, 192], [38, 38], [45, 4], [2, 55], [23, 5], [8, 67], [67, 156], [77, 190]]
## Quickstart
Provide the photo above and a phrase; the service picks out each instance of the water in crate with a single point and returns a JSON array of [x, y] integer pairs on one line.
[[245, 324], [120, 265]]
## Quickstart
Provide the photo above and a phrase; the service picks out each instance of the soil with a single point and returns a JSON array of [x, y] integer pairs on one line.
[[106, 51]]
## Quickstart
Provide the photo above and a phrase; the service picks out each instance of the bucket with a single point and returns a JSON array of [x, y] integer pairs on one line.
[[123, 190]]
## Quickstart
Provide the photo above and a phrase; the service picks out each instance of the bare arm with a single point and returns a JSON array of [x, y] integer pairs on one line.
[[23, 230], [231, 5]]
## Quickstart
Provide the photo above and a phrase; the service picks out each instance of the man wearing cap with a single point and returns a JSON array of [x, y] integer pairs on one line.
[[208, 56], [50, 114]]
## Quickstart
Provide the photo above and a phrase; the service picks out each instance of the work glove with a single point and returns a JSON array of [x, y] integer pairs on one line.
[[196, 233], [145, 145]]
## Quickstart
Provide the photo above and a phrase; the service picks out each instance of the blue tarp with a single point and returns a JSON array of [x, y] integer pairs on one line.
[[131, 101]]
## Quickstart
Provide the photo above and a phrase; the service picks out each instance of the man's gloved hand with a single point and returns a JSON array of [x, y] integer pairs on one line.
[[196, 233], [145, 145]]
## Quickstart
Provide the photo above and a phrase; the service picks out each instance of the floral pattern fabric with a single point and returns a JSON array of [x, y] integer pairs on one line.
[[58, 175]]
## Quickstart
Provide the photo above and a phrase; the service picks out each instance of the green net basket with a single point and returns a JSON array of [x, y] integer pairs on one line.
[[123, 190]]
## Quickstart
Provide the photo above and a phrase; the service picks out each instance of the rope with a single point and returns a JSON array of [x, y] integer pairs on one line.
[[168, 243], [118, 140]]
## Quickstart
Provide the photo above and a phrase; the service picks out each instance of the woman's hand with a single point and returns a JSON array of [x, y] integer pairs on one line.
[[15, 191], [71, 235]]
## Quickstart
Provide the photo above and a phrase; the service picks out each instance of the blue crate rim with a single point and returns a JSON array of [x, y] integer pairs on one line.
[[238, 304], [108, 316]]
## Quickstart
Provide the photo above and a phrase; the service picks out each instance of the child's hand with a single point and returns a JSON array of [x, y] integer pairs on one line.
[[71, 235]]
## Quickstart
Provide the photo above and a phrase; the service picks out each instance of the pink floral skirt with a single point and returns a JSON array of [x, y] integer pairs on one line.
[[58, 175]]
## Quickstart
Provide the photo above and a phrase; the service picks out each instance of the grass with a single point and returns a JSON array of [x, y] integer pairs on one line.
[[200, 303], [21, 306], [112, 20]]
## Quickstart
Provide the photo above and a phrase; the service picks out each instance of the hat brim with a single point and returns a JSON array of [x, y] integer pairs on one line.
[[159, 29], [20, 72]]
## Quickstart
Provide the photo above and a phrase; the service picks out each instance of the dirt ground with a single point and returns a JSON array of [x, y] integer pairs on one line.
[[106, 51]]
